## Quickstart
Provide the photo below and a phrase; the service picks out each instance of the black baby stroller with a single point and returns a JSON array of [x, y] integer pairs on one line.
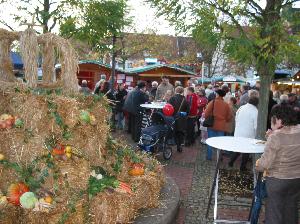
[[156, 137]]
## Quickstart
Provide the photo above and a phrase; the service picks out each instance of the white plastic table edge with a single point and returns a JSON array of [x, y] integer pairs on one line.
[[217, 179]]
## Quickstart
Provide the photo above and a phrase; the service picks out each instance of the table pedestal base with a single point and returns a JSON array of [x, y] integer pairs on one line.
[[214, 190]]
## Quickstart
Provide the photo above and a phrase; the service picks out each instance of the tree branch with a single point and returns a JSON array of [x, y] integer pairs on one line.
[[5, 24], [231, 16], [289, 3], [255, 16], [54, 24], [255, 6]]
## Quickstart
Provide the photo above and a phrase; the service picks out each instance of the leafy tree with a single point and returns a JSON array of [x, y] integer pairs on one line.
[[99, 22], [47, 13], [251, 33]]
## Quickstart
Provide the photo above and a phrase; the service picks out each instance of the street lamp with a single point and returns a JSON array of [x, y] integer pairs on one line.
[[200, 58]]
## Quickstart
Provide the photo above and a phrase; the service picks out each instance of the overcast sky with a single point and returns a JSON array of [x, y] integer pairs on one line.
[[143, 17]]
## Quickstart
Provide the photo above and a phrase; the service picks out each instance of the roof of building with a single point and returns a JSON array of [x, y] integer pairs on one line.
[[156, 66]]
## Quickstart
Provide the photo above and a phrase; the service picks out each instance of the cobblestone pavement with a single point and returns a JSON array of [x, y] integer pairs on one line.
[[193, 174]]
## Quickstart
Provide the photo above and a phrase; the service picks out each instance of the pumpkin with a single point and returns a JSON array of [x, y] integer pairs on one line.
[[136, 172], [137, 165], [15, 191], [6, 121], [85, 117], [28, 200], [59, 150]]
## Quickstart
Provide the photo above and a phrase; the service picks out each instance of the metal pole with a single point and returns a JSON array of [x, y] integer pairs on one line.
[[202, 72], [113, 66]]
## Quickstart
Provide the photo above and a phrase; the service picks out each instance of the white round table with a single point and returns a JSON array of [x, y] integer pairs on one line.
[[231, 144], [153, 105], [236, 144]]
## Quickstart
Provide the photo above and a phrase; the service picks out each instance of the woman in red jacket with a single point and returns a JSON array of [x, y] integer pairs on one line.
[[201, 103], [191, 98]]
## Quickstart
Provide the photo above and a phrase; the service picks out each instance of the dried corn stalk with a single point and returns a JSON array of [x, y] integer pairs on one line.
[[68, 59], [29, 52], [6, 67], [48, 62]]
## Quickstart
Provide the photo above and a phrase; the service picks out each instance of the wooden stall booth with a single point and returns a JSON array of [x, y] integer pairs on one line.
[[152, 73]]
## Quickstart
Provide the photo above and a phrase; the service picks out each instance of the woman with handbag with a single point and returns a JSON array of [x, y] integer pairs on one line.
[[217, 115], [281, 161], [180, 104]]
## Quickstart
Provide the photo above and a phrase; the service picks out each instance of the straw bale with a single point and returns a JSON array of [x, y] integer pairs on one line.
[[29, 52], [5, 34], [24, 144], [119, 205], [48, 62], [6, 67], [10, 214], [147, 190], [68, 59]]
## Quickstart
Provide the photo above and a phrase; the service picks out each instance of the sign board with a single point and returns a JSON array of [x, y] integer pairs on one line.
[[121, 76], [229, 79], [129, 78]]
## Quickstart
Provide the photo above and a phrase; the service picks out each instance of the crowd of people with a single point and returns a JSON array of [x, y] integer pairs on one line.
[[235, 114]]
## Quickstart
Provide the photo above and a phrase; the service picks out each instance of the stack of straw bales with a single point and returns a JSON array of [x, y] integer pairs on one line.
[[23, 145]]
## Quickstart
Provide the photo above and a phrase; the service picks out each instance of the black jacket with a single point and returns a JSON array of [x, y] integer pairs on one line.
[[134, 99], [175, 101], [120, 98]]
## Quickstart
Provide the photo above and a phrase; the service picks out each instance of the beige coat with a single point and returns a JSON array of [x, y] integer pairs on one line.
[[281, 158]]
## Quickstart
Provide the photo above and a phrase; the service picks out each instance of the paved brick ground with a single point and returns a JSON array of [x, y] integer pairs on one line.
[[193, 174]]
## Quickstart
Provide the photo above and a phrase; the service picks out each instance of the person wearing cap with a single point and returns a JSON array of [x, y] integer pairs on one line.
[[177, 83], [163, 87], [208, 90], [213, 95], [84, 88], [222, 116], [132, 104]]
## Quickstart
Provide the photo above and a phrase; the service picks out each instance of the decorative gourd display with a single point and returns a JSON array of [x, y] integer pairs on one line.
[[15, 191], [6, 121], [28, 200], [137, 169], [59, 150]]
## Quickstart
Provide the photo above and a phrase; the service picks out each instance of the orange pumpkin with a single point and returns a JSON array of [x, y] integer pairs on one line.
[[138, 165], [15, 191], [136, 172], [59, 150]]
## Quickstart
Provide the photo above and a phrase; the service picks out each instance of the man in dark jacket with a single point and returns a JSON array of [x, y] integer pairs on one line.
[[132, 104], [213, 95], [180, 104]]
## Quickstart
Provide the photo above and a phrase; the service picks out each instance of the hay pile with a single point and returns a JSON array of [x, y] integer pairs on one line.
[[49, 117], [67, 57], [29, 52], [6, 68], [30, 45]]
